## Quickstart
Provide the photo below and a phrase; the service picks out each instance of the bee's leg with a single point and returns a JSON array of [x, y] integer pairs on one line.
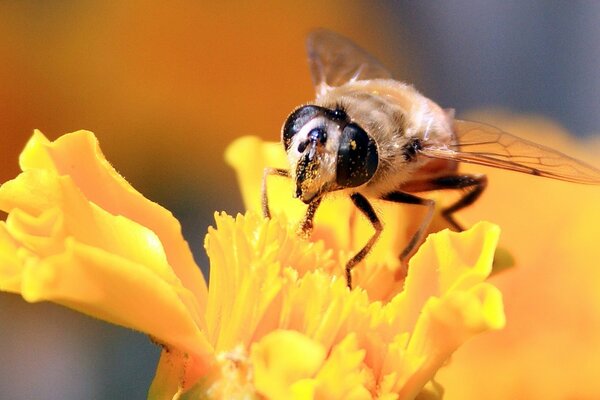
[[417, 239], [367, 209], [306, 226], [474, 186], [265, 198]]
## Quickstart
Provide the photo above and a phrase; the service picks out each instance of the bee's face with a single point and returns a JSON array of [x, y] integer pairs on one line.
[[327, 151]]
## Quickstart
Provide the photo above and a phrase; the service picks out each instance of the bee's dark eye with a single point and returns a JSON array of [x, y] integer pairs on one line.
[[357, 157], [296, 121]]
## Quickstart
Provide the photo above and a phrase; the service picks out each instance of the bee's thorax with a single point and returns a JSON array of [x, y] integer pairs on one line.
[[398, 118]]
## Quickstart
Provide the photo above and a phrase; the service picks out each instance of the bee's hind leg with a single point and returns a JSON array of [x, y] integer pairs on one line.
[[474, 186], [419, 235]]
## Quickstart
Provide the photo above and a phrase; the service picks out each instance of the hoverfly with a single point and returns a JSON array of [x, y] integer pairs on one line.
[[375, 137]]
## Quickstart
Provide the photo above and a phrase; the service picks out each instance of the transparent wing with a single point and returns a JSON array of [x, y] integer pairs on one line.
[[335, 60], [485, 145]]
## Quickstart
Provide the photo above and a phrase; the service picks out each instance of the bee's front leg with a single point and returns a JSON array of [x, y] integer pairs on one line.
[[265, 197]]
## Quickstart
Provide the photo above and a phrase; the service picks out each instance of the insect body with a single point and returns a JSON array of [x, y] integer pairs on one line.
[[374, 137]]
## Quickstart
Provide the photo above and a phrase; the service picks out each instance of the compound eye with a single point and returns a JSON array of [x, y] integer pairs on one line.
[[300, 117], [357, 157]]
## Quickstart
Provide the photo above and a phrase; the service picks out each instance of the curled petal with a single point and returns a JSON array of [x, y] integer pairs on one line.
[[78, 156], [445, 263], [75, 234]]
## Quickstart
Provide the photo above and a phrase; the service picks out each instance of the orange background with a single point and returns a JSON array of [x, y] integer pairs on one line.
[[165, 88]]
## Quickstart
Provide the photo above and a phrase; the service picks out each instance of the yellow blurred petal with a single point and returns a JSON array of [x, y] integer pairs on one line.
[[78, 156], [431, 391], [31, 192], [70, 238], [282, 358], [35, 155], [249, 155], [68, 213], [117, 290]]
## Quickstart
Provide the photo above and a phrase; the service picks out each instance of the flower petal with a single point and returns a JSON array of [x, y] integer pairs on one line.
[[180, 375], [78, 155], [281, 359], [445, 303], [389, 348], [247, 254], [61, 246], [446, 262], [343, 375], [117, 290]]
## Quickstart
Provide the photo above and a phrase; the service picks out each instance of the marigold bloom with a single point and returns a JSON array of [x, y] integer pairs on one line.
[[276, 321]]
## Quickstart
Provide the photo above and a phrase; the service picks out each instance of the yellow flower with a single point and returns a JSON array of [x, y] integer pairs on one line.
[[277, 320]]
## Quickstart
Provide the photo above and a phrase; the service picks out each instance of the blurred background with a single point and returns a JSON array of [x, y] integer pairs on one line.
[[165, 88]]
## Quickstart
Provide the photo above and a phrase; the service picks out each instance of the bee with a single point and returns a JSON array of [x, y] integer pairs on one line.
[[373, 137]]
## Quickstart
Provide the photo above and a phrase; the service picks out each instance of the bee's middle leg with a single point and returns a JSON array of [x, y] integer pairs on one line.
[[367, 209]]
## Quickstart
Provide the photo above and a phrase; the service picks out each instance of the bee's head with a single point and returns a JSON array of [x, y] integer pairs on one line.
[[327, 151]]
